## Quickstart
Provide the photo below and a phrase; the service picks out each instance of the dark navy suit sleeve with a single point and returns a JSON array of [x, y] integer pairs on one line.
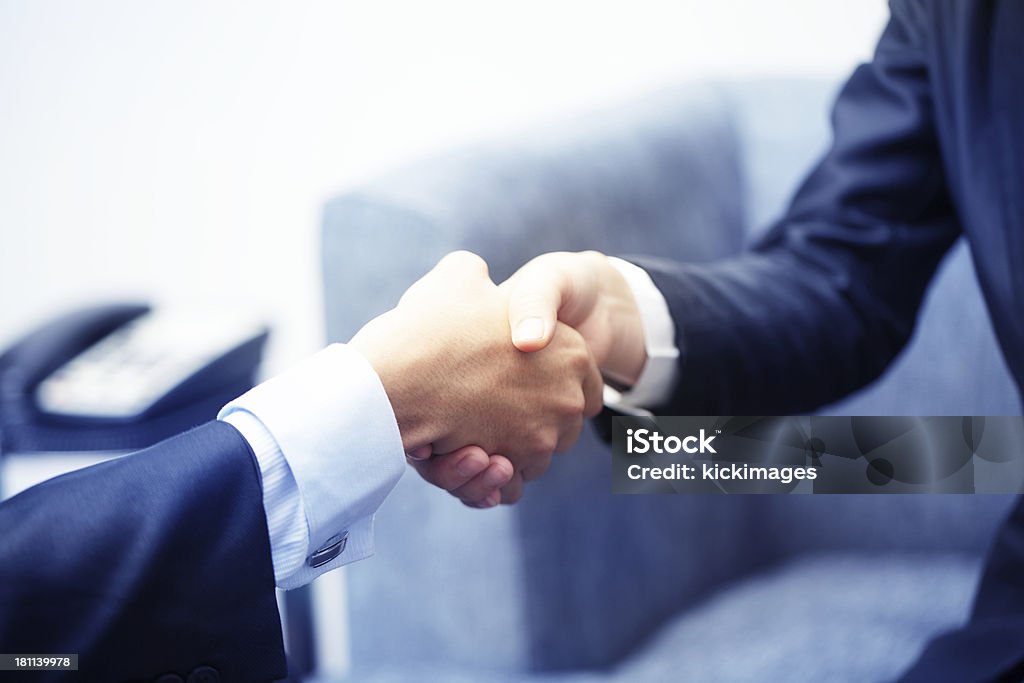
[[828, 298], [158, 562]]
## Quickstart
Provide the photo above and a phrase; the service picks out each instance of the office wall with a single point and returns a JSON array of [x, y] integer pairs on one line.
[[180, 151]]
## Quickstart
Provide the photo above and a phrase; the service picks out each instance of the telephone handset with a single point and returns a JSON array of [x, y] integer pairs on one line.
[[121, 377], [155, 361]]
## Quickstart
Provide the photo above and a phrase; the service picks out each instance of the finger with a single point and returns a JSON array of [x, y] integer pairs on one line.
[[535, 297], [421, 453], [481, 487], [490, 501], [452, 470], [593, 390], [566, 439], [512, 491]]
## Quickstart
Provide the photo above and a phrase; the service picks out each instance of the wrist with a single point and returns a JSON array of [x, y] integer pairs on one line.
[[627, 354], [401, 373]]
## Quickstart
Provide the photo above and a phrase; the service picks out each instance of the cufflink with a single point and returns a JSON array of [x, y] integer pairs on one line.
[[334, 546]]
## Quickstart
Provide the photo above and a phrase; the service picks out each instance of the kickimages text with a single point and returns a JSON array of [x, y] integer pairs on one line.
[[644, 441]]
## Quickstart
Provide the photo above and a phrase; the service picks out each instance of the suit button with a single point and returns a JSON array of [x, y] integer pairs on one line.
[[334, 546], [170, 678], [204, 674]]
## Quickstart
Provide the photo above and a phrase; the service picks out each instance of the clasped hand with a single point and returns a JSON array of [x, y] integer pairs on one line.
[[487, 382]]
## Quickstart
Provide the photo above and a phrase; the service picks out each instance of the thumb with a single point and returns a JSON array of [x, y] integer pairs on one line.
[[535, 297]]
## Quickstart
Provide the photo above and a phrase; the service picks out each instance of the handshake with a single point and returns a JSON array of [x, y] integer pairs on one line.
[[488, 381]]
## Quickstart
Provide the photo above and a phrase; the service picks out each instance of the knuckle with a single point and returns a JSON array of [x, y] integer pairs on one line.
[[463, 259], [578, 405], [578, 373], [544, 443], [572, 404]]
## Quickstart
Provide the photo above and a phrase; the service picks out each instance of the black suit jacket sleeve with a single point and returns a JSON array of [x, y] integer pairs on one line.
[[154, 563], [828, 298]]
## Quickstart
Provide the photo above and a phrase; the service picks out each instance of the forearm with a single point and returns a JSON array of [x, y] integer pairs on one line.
[[824, 303], [154, 548], [329, 452], [777, 331]]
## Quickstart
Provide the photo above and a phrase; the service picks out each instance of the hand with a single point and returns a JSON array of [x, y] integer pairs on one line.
[[444, 358], [585, 291], [477, 479]]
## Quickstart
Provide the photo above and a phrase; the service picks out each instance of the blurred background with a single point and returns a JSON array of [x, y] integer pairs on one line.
[[182, 151]]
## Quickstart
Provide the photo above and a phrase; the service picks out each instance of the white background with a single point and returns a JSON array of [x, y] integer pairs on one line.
[[181, 151]]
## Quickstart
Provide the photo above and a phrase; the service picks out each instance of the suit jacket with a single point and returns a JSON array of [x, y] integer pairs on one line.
[[155, 563], [928, 146]]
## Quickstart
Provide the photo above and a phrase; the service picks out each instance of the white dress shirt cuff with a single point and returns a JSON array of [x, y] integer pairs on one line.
[[286, 518], [659, 376], [331, 421]]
